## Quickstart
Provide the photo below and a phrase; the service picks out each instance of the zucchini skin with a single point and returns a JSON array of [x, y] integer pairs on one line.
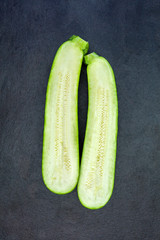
[[60, 155], [86, 195]]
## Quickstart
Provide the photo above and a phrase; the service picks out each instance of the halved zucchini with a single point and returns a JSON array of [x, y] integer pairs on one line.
[[99, 151], [60, 158]]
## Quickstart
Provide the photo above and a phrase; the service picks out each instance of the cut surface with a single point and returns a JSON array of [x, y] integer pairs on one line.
[[99, 152], [60, 162]]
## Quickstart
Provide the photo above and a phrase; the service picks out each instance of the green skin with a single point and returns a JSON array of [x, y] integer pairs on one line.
[[100, 76], [61, 104]]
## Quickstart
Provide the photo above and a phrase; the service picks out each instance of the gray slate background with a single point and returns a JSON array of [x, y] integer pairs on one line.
[[127, 33]]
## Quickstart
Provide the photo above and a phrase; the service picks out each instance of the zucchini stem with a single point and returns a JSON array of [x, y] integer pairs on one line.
[[90, 57], [82, 44]]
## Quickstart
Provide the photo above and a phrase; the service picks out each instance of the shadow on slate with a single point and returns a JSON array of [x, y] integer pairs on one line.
[[127, 35], [82, 106]]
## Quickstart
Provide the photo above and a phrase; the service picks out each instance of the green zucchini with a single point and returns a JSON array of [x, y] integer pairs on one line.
[[60, 157], [97, 171]]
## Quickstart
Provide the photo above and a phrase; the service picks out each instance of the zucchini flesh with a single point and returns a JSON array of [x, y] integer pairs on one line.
[[60, 157], [99, 151]]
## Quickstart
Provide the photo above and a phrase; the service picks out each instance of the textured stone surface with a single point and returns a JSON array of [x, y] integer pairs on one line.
[[127, 34]]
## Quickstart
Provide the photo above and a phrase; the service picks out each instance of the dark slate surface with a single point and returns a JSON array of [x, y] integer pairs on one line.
[[127, 33]]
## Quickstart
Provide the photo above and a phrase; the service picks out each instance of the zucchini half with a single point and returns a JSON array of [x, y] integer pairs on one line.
[[60, 157], [99, 151]]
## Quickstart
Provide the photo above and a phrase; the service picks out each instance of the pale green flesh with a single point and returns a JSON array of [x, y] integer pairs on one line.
[[99, 152], [60, 160]]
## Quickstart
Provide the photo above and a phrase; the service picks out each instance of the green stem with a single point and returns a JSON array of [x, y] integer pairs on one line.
[[90, 57], [84, 45]]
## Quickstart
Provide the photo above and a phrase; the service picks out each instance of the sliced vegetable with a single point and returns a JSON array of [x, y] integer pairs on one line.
[[99, 152], [60, 158]]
